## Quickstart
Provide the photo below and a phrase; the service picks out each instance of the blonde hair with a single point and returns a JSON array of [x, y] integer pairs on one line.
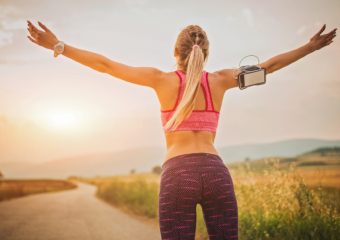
[[192, 61]]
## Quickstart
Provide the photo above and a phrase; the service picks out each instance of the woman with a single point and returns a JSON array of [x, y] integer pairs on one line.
[[190, 99]]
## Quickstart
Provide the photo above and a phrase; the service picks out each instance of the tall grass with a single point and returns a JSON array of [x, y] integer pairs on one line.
[[140, 196], [275, 205], [280, 205], [17, 188]]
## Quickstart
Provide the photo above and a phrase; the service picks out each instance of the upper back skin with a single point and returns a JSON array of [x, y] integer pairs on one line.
[[184, 142]]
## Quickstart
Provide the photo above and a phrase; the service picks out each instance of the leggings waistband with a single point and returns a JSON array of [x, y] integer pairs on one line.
[[192, 160]]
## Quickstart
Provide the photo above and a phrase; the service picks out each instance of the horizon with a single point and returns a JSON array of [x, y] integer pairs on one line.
[[218, 149]]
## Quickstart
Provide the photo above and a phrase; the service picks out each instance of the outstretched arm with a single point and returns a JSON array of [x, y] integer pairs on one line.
[[144, 76], [317, 42]]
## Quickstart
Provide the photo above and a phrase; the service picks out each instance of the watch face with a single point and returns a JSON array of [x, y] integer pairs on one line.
[[59, 49]]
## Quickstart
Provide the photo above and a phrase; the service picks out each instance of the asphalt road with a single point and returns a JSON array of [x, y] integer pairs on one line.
[[69, 215]]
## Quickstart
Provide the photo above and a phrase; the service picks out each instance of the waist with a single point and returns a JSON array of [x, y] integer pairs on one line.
[[185, 142], [204, 162]]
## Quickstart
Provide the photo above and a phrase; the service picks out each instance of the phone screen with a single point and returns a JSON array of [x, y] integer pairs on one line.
[[253, 78]]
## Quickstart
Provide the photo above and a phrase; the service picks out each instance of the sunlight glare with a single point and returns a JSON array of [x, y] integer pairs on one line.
[[63, 119]]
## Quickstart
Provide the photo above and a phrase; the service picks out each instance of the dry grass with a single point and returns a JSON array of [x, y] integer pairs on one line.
[[275, 203], [148, 177], [280, 204], [18, 188]]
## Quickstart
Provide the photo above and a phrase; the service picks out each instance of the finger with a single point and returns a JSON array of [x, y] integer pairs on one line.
[[330, 37], [32, 33], [332, 32], [44, 27], [329, 43], [321, 30], [32, 40], [32, 27]]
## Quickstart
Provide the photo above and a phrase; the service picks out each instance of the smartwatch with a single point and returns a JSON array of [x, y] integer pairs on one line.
[[58, 48]]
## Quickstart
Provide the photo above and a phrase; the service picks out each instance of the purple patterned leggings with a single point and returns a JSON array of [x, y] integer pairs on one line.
[[191, 179]]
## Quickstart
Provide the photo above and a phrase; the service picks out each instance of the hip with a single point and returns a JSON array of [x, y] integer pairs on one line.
[[200, 162]]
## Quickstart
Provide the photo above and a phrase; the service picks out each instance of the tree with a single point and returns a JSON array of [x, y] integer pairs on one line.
[[247, 159], [133, 171], [157, 170]]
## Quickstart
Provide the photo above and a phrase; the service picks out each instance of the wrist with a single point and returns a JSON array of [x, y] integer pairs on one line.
[[59, 48], [310, 48], [54, 42]]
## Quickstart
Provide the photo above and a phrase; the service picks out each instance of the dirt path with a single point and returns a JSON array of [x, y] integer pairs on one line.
[[69, 215]]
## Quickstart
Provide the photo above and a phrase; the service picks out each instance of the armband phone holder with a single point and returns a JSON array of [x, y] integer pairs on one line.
[[251, 75]]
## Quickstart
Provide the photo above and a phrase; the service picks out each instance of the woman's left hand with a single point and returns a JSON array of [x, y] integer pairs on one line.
[[319, 41], [45, 38]]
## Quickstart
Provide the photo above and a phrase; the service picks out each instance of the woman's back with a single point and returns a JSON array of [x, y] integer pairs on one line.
[[190, 141]]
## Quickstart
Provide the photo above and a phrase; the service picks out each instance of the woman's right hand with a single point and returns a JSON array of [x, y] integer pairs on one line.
[[319, 41], [45, 39]]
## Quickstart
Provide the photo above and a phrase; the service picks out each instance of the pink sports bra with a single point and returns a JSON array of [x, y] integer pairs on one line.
[[199, 120]]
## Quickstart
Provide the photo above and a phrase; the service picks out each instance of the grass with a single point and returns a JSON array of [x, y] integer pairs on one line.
[[273, 203], [17, 188], [285, 207], [139, 195]]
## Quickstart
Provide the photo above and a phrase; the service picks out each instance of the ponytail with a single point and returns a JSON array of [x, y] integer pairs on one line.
[[195, 67]]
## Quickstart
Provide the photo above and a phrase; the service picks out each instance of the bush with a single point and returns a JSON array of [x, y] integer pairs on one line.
[[157, 170]]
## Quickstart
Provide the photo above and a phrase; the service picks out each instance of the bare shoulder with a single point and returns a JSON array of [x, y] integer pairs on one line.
[[223, 79], [170, 78], [167, 82]]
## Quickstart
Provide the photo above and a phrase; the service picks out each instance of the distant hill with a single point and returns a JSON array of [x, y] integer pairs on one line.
[[101, 164], [326, 157], [325, 151], [144, 159], [11, 169], [289, 148]]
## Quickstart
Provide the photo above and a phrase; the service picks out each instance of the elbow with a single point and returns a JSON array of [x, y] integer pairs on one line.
[[101, 64], [268, 65], [101, 68], [270, 69]]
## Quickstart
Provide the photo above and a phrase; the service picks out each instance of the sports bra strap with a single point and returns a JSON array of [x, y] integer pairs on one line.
[[207, 92], [205, 87]]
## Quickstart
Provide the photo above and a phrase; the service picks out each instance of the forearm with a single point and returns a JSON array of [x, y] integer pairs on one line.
[[89, 59], [288, 58]]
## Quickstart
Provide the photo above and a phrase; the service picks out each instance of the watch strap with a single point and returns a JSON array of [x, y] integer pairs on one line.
[[59, 43]]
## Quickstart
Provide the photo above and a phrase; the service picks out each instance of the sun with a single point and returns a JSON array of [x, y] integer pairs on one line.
[[63, 119]]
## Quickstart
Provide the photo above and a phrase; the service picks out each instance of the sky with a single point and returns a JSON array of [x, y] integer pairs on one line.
[[54, 107]]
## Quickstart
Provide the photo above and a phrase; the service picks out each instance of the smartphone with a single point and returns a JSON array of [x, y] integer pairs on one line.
[[251, 78]]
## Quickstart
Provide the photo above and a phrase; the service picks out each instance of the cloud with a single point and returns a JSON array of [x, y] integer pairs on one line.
[[137, 2], [230, 19], [137, 5], [318, 24], [247, 14], [12, 25], [5, 38], [8, 11], [301, 30]]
